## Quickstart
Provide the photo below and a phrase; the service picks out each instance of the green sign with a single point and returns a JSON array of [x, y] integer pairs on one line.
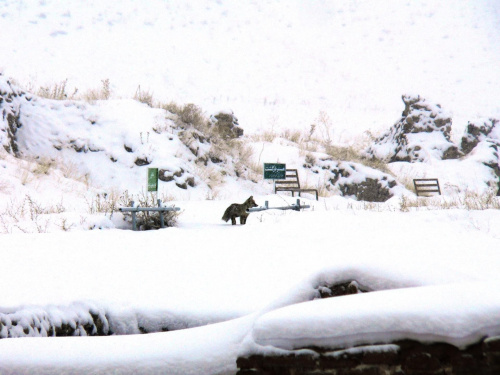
[[274, 171], [152, 179]]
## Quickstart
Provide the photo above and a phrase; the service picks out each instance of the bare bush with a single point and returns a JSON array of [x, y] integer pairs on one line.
[[56, 91], [325, 126], [294, 136], [171, 107], [103, 93], [146, 220], [192, 114], [144, 96], [105, 203], [28, 210]]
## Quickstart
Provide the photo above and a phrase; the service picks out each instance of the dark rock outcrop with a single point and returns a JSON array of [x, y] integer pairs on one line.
[[11, 99], [340, 289], [406, 357], [41, 323], [226, 125]]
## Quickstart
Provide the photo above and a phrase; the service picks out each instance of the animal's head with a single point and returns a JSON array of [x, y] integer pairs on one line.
[[250, 202]]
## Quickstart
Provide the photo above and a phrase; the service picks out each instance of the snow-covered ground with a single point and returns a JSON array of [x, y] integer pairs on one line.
[[207, 269], [238, 289]]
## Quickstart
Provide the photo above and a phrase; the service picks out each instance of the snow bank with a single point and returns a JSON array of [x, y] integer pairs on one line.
[[456, 314]]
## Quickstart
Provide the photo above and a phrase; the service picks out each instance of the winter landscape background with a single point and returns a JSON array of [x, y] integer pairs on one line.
[[95, 92]]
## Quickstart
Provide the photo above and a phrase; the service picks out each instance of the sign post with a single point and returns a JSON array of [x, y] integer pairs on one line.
[[152, 179]]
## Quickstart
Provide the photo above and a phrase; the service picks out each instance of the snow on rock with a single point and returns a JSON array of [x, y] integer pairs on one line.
[[478, 171], [355, 180], [422, 133], [478, 131], [487, 153], [10, 102], [78, 319], [93, 319], [458, 314], [481, 143]]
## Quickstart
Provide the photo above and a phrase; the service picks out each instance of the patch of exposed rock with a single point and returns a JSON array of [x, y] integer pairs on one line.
[[407, 357], [226, 124]]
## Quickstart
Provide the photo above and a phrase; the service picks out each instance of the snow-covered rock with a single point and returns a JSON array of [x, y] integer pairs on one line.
[[478, 131], [10, 101], [422, 133], [355, 180]]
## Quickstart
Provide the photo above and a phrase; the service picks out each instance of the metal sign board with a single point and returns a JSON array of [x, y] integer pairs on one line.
[[274, 171], [152, 179]]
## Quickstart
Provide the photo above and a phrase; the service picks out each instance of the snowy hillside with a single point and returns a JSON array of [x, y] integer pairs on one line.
[[274, 63]]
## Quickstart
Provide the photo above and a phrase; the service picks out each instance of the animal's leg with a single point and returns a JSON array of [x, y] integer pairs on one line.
[[233, 220]]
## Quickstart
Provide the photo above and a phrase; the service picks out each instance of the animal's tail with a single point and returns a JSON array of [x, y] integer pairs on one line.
[[226, 216]]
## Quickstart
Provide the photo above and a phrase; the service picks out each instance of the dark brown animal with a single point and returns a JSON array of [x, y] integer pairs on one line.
[[239, 210]]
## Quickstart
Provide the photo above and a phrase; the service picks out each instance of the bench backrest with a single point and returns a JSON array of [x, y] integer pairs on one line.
[[292, 180], [426, 186]]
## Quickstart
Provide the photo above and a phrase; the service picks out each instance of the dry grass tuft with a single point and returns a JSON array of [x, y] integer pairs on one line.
[[103, 93], [143, 96]]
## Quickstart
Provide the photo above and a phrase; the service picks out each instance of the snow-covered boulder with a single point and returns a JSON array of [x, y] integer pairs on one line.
[[355, 180], [422, 133], [487, 152], [11, 99], [478, 131], [481, 143]]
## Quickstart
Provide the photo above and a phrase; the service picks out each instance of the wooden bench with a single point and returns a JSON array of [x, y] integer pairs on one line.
[[424, 186], [292, 184]]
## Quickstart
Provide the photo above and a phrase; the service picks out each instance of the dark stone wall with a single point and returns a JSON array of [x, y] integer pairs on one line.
[[402, 358]]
